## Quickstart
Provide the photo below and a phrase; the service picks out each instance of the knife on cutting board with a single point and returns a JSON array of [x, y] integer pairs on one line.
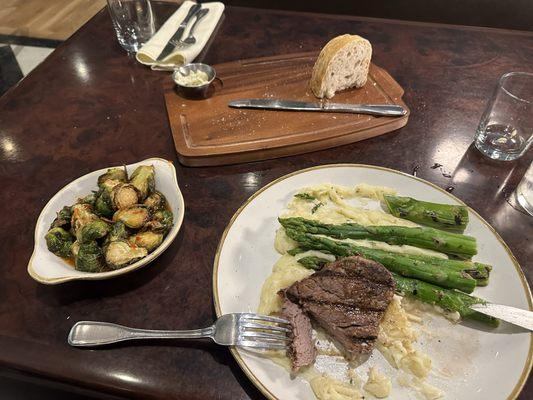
[[515, 316], [388, 110]]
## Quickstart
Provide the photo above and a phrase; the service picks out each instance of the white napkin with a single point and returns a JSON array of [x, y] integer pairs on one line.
[[150, 51]]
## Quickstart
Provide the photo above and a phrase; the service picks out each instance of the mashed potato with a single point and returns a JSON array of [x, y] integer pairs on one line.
[[326, 388]]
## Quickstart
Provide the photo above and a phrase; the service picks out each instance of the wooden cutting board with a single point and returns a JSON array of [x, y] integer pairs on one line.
[[208, 132]]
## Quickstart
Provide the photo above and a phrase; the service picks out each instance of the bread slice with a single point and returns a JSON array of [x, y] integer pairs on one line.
[[343, 63]]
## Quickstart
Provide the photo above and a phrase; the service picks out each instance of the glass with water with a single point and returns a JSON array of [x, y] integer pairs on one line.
[[133, 21], [524, 191], [506, 128]]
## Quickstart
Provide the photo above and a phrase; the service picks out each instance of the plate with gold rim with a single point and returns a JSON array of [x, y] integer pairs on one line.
[[480, 363]]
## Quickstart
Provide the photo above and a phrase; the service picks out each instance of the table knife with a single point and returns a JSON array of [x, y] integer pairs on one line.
[[389, 110], [515, 316], [179, 33]]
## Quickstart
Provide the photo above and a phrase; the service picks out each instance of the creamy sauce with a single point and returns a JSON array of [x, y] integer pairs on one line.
[[195, 78]]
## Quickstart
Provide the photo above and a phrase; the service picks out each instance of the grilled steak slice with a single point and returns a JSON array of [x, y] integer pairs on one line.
[[348, 299], [301, 349]]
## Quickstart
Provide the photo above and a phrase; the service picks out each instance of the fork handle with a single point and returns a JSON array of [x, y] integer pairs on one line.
[[93, 334]]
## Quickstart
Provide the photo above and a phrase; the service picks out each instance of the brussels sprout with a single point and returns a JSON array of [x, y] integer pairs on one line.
[[63, 218], [93, 230], [165, 218], [133, 217], [119, 253], [124, 195], [90, 258], [117, 232], [148, 239], [89, 199], [74, 249], [156, 201], [82, 214], [143, 178], [103, 205], [59, 241], [114, 174]]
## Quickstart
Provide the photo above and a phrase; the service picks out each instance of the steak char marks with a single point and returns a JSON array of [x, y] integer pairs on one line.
[[348, 299]]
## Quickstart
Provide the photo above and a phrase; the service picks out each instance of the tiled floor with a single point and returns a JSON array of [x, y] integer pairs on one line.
[[18, 56]]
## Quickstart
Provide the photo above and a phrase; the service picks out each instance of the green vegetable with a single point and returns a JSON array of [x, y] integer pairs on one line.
[[82, 214], [118, 231], [316, 207], [93, 230], [305, 196], [63, 218], [133, 217], [119, 253], [427, 238], [313, 262], [394, 262], [89, 199], [103, 205], [155, 202], [59, 241], [441, 216], [114, 174], [162, 221], [124, 195], [148, 239], [89, 258], [143, 178], [449, 300]]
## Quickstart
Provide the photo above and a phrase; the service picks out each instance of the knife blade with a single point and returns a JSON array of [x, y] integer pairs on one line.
[[515, 316], [390, 110], [179, 33]]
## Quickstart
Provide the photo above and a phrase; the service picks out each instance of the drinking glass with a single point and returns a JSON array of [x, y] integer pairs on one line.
[[133, 21], [505, 131], [524, 191]]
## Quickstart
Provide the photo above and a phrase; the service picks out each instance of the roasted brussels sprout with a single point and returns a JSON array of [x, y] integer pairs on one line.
[[103, 205], [114, 174], [89, 199], [165, 218], [90, 258], [63, 218], [82, 214], [117, 232], [93, 230], [124, 195], [156, 201], [120, 253], [143, 178], [74, 249], [133, 217], [109, 185], [59, 241], [148, 239]]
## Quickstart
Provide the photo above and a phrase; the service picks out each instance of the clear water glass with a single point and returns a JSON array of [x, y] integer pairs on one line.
[[133, 21], [505, 131], [524, 191]]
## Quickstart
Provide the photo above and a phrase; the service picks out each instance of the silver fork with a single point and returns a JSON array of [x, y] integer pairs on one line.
[[239, 329], [190, 39]]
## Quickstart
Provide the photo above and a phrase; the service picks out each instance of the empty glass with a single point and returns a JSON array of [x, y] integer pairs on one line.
[[524, 191], [506, 128], [133, 21]]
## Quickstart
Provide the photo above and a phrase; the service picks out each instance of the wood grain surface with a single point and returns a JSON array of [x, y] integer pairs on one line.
[[89, 105], [209, 132]]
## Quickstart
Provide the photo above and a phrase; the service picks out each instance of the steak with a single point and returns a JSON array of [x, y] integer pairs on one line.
[[301, 349], [348, 299]]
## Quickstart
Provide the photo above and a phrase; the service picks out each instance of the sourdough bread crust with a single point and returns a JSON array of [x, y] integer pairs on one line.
[[325, 57]]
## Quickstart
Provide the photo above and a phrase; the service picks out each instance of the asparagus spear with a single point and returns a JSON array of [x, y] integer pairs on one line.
[[427, 238], [449, 300], [442, 216], [394, 262]]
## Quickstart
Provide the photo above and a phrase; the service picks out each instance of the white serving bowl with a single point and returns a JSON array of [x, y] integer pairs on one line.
[[45, 267]]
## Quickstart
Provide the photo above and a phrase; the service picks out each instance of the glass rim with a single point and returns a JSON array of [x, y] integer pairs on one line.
[[504, 77]]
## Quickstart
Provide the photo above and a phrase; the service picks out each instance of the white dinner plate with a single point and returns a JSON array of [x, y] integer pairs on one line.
[[482, 364], [45, 267]]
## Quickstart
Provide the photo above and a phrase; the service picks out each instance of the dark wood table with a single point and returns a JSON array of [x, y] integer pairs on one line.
[[89, 105]]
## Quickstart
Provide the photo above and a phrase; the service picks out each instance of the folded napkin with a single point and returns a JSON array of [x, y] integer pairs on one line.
[[150, 51]]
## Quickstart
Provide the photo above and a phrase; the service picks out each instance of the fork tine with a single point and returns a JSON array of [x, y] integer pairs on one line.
[[262, 345], [264, 318], [274, 328], [264, 335]]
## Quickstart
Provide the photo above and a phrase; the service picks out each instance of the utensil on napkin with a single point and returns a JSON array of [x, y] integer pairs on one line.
[[151, 50], [389, 110], [515, 316], [240, 329]]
